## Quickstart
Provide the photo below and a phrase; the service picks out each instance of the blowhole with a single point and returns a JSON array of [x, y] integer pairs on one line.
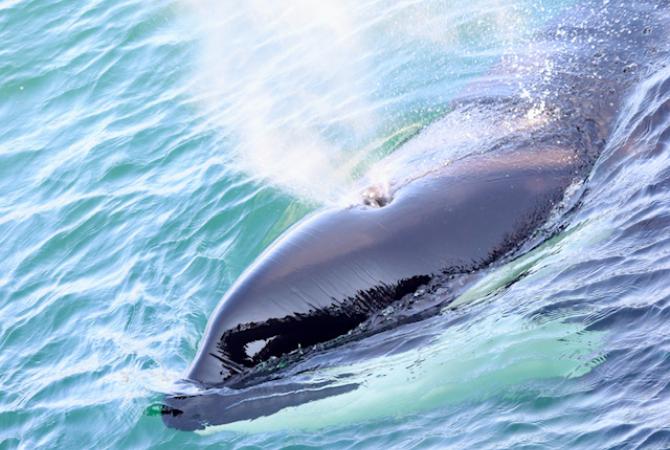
[[376, 197]]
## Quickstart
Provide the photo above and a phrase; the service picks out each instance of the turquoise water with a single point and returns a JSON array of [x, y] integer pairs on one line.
[[149, 151]]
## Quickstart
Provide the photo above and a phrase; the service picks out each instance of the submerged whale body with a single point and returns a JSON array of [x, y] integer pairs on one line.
[[337, 268]]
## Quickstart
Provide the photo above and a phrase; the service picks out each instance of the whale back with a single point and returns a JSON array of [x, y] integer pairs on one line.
[[332, 271]]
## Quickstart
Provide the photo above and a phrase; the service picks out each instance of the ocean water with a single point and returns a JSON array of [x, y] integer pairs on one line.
[[149, 151]]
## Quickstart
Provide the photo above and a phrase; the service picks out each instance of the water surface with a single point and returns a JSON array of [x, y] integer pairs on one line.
[[149, 151]]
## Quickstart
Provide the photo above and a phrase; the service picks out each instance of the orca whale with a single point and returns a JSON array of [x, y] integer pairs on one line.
[[339, 267]]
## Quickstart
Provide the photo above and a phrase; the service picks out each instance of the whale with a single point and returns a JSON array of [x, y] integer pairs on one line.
[[332, 271], [341, 266]]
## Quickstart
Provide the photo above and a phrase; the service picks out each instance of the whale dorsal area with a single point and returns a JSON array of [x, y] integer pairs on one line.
[[333, 270]]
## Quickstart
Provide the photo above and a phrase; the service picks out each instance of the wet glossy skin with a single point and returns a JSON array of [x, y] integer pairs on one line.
[[336, 268]]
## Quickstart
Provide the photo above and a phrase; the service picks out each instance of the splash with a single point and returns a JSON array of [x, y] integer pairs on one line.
[[297, 86], [288, 83], [462, 365]]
